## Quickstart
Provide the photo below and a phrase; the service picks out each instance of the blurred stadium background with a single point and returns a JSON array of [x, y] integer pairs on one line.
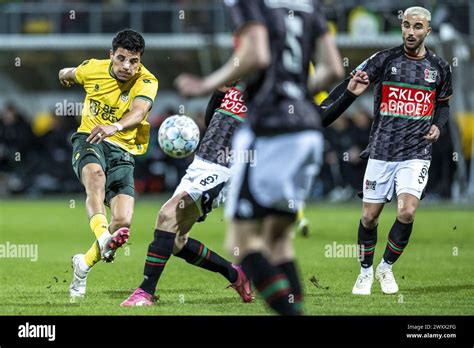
[[37, 38]]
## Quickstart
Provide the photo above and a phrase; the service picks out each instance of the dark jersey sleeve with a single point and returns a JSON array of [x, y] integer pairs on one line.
[[336, 103], [441, 115], [445, 88], [244, 12], [372, 66]]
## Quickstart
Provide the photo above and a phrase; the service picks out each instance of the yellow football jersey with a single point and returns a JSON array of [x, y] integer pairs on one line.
[[108, 99]]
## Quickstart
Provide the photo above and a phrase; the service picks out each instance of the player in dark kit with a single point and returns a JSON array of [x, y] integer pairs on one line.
[[200, 190], [411, 106], [277, 41]]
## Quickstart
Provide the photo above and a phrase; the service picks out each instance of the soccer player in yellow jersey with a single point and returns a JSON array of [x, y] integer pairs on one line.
[[119, 94]]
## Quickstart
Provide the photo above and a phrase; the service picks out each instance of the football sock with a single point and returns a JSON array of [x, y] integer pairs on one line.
[[271, 283], [197, 254], [83, 265], [397, 240], [367, 239], [367, 270], [99, 226], [291, 272], [92, 256], [300, 214], [384, 265], [159, 251]]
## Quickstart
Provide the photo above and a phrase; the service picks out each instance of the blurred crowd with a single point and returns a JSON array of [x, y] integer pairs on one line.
[[35, 157], [107, 16]]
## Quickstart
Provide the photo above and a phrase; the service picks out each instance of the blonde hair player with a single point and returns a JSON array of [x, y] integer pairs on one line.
[[411, 107]]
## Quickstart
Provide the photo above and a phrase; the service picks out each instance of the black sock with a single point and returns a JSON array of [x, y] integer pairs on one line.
[[159, 251], [197, 254], [272, 284], [291, 272], [367, 239], [397, 241]]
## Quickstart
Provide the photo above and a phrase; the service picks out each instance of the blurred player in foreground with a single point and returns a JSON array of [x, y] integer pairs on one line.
[[119, 94], [274, 53], [411, 107]]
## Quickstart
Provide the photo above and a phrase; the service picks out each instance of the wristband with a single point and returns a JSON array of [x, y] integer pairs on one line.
[[118, 126]]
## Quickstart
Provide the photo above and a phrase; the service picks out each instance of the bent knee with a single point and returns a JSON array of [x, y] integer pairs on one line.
[[92, 172], [406, 214], [369, 219], [93, 178]]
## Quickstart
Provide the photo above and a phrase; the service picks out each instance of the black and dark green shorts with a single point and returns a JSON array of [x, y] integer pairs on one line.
[[117, 164]]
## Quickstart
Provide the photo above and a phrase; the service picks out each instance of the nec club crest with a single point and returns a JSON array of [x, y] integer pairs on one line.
[[430, 75]]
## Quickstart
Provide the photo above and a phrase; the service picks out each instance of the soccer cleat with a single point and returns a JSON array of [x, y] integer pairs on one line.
[[115, 241], [387, 280], [302, 227], [363, 284], [78, 284], [242, 285], [139, 298]]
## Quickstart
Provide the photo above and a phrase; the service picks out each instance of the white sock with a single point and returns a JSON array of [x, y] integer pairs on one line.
[[103, 238], [83, 265], [367, 271], [384, 265]]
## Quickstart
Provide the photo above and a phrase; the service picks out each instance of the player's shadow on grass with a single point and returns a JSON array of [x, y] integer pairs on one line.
[[119, 294], [165, 291], [217, 297], [114, 293], [44, 304], [438, 288]]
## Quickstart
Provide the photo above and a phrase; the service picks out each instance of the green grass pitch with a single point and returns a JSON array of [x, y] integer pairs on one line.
[[435, 274]]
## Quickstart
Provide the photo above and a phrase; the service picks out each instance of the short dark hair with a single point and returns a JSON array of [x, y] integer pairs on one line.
[[130, 40]]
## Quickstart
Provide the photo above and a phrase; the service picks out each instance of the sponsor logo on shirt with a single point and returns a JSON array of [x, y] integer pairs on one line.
[[233, 103], [407, 101], [104, 111]]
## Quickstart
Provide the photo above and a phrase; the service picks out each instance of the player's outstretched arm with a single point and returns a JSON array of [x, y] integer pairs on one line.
[[329, 66], [343, 96], [67, 76], [138, 110], [252, 54], [358, 83]]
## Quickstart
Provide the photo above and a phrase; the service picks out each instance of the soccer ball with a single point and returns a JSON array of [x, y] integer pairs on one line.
[[178, 136]]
